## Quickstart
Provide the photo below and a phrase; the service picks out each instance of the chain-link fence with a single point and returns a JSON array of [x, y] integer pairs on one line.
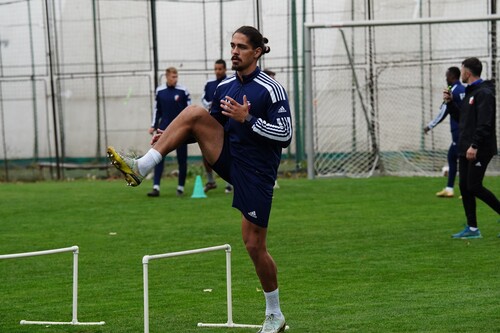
[[376, 84], [77, 75]]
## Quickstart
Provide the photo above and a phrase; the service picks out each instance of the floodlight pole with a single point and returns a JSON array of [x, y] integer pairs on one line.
[[221, 30], [53, 90], [97, 81], [257, 14], [155, 43], [493, 42], [2, 119], [308, 109], [296, 91], [33, 86]]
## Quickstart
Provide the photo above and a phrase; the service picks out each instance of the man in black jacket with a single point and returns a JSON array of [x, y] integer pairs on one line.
[[477, 143]]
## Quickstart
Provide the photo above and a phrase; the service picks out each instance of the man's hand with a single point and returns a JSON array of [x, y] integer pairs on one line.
[[234, 110], [426, 129], [447, 97], [471, 154], [156, 137]]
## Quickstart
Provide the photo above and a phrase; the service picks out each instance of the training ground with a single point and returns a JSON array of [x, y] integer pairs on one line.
[[354, 255]]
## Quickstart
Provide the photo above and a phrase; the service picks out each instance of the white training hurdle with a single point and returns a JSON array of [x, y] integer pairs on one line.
[[75, 251], [227, 248]]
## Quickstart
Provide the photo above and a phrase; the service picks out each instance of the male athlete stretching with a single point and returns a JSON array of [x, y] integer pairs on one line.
[[241, 138]]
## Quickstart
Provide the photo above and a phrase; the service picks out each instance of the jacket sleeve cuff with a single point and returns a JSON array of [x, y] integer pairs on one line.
[[250, 120]]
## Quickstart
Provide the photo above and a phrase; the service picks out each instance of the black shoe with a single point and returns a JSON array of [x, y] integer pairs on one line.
[[228, 189], [180, 193], [210, 186], [154, 193]]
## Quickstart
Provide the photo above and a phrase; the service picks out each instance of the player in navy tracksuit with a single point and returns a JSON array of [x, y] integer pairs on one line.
[[206, 100], [458, 92], [242, 139], [171, 99], [211, 85], [255, 145]]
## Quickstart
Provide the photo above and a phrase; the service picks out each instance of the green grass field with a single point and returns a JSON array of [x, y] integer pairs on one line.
[[354, 255]]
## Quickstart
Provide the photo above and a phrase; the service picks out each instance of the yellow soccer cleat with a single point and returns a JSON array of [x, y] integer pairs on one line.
[[126, 165], [445, 194]]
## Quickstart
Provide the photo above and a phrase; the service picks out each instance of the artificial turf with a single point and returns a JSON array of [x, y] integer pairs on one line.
[[354, 255]]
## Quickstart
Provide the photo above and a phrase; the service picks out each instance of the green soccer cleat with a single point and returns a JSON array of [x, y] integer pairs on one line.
[[467, 234], [273, 325], [127, 166]]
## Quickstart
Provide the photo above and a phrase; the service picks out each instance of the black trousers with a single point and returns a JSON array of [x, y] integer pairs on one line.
[[471, 187]]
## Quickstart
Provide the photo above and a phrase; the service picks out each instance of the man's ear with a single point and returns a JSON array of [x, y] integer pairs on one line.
[[257, 52]]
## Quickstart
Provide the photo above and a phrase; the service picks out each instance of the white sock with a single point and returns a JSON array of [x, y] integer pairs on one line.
[[273, 303], [146, 163], [180, 188], [472, 229], [449, 189], [156, 187]]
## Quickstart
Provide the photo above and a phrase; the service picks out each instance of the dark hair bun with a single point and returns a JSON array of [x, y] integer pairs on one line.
[[265, 49]]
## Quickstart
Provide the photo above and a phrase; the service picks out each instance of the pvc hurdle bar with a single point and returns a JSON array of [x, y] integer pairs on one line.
[[75, 251], [227, 248]]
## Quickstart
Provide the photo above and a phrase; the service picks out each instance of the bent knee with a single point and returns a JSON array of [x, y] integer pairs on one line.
[[196, 111]]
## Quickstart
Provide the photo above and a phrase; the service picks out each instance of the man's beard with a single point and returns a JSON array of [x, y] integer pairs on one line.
[[236, 67], [239, 66]]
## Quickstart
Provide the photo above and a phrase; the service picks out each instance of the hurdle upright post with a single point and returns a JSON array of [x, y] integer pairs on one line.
[[74, 319], [75, 285], [145, 262], [229, 287]]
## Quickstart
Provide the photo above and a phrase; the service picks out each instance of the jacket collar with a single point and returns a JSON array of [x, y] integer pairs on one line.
[[478, 81], [474, 85], [221, 79], [249, 77]]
